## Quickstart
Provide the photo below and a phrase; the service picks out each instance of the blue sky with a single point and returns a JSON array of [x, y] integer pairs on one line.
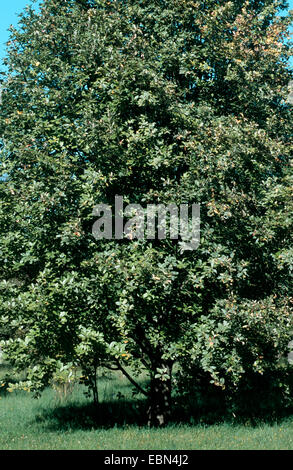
[[8, 15]]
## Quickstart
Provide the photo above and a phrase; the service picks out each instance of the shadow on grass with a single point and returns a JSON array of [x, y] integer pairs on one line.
[[88, 416], [205, 405], [215, 410], [121, 413]]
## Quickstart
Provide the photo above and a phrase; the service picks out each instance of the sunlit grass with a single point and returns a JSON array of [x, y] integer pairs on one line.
[[71, 423]]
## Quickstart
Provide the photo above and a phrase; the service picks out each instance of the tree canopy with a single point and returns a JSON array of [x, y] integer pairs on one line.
[[162, 102]]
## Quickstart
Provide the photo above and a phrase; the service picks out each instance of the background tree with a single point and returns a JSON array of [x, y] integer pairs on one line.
[[178, 101]]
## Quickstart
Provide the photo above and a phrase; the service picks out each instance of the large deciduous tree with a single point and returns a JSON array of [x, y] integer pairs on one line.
[[162, 102]]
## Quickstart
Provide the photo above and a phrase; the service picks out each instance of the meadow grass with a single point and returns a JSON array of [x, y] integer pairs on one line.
[[51, 422]]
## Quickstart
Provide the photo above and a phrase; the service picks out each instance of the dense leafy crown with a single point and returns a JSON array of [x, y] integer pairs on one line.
[[174, 101]]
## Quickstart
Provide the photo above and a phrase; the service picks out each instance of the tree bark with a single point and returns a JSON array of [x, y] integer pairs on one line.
[[159, 411], [95, 387]]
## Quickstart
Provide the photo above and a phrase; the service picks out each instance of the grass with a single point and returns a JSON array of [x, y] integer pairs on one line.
[[72, 423]]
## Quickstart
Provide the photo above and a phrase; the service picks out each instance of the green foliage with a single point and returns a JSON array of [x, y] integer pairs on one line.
[[161, 102]]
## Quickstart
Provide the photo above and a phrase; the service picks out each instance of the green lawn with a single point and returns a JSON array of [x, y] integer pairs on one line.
[[68, 423]]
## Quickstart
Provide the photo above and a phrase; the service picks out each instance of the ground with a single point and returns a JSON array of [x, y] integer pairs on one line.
[[58, 422]]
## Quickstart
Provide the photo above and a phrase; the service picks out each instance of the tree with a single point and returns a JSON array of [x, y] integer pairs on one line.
[[160, 102]]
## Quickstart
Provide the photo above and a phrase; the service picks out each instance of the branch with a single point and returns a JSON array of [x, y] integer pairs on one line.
[[131, 379]]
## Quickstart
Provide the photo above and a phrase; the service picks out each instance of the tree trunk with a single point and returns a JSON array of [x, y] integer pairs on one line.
[[95, 388], [159, 411]]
